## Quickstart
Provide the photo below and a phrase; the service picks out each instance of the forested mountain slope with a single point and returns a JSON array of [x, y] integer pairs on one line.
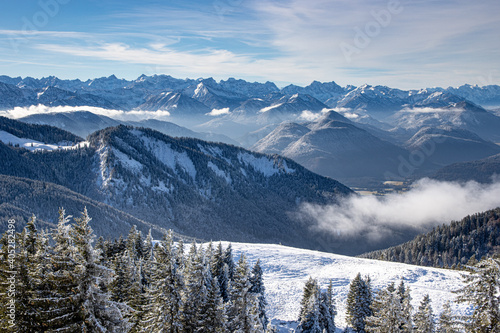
[[449, 245]]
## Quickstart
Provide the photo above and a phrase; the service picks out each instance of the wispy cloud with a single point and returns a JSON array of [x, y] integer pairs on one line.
[[426, 43]]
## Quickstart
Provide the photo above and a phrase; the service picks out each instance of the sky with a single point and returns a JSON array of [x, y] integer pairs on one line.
[[402, 44]]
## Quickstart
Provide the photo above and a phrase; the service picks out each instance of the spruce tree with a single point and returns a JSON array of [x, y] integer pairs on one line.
[[163, 313], [327, 310], [195, 296], [447, 321], [243, 309], [95, 311], [26, 314], [406, 308], [387, 314], [359, 301], [482, 292], [63, 279], [309, 318], [424, 318], [256, 280]]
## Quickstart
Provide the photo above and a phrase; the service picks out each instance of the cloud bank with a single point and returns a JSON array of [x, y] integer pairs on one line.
[[429, 203], [19, 112]]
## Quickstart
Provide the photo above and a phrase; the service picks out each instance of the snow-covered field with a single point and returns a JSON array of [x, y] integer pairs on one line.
[[34, 145], [286, 270]]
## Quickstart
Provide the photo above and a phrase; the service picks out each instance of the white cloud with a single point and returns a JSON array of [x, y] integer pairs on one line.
[[428, 204], [218, 112], [309, 116], [19, 112]]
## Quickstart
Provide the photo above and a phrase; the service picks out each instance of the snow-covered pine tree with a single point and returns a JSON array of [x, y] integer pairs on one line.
[[327, 310], [221, 273], [256, 280], [215, 318], [163, 313], [424, 317], [229, 261], [122, 280], [359, 301], [482, 292], [406, 308], [447, 321], [42, 295], [195, 296], [387, 312], [137, 296], [309, 318], [96, 313], [25, 286], [243, 309], [63, 279], [310, 288], [134, 243]]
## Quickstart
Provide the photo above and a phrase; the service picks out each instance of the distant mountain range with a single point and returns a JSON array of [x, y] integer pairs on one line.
[[377, 134], [151, 92]]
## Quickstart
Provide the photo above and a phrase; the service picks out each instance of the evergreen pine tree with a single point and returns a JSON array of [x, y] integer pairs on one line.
[[359, 301], [327, 310], [309, 318], [96, 312], [228, 260], [25, 286], [424, 318], [163, 313], [387, 312], [406, 308], [195, 296], [220, 270], [447, 322], [259, 290], [482, 292], [42, 294], [63, 279], [243, 309]]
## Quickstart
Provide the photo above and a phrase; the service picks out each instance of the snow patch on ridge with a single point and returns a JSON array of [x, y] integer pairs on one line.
[[169, 157]]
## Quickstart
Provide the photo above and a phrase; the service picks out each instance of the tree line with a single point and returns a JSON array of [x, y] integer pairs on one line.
[[58, 281], [460, 243]]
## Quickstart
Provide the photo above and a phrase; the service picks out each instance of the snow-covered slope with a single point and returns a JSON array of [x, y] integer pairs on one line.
[[286, 270]]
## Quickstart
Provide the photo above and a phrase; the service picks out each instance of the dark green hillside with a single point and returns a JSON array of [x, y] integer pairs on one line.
[[451, 244]]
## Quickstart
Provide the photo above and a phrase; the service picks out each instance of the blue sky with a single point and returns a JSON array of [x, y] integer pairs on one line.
[[403, 44]]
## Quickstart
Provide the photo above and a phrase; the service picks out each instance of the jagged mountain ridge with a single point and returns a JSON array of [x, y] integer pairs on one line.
[[232, 92]]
